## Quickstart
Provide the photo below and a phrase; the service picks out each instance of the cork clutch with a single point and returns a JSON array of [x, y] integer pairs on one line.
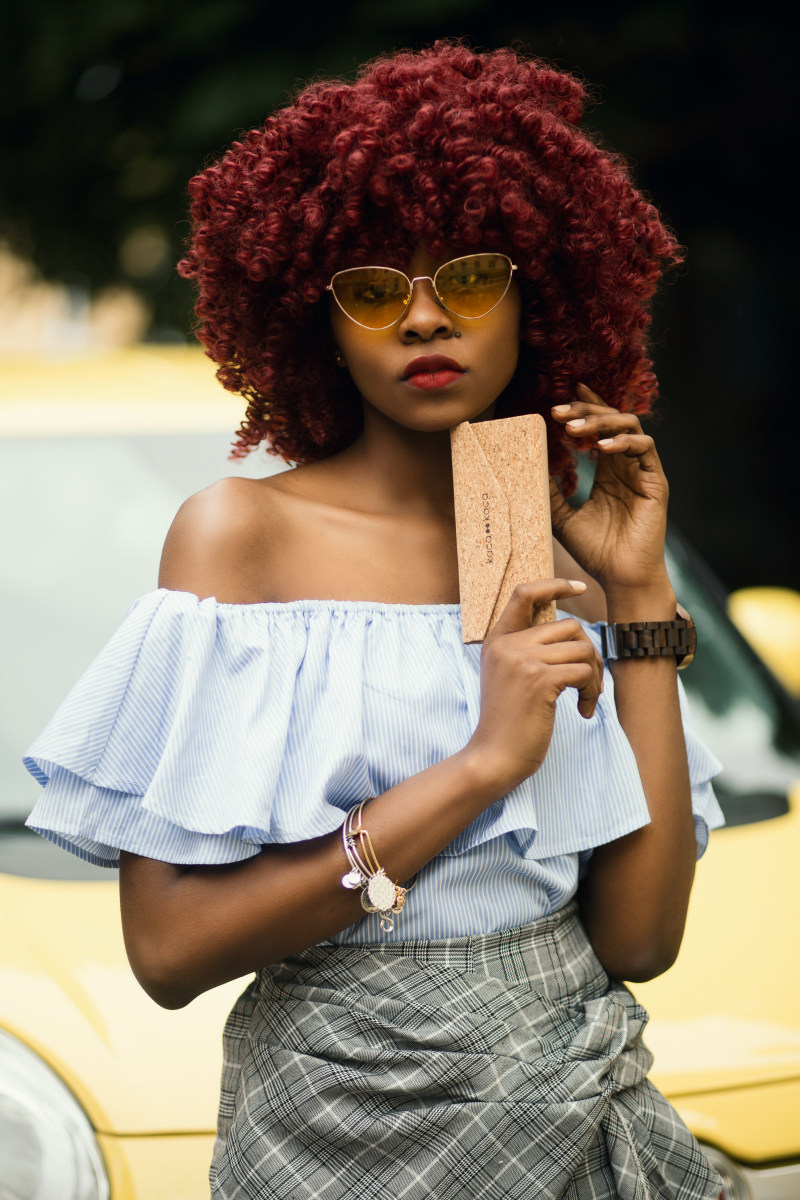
[[502, 502]]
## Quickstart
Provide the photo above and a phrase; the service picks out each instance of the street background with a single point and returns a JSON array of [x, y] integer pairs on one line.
[[109, 108]]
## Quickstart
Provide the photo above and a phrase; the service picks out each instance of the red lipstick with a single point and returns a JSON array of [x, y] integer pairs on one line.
[[432, 371]]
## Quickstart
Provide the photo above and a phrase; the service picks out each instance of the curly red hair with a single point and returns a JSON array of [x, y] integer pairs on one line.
[[448, 147]]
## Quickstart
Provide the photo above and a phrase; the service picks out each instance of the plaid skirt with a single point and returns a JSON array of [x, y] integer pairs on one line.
[[504, 1066]]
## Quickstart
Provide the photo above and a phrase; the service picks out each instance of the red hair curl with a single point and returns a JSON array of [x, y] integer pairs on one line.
[[452, 148]]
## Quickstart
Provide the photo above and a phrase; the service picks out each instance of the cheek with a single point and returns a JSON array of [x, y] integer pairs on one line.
[[356, 345]]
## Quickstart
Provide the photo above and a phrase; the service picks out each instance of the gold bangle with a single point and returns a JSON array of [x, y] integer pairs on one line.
[[378, 893]]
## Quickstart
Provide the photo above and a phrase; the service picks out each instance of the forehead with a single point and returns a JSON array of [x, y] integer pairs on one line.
[[415, 261]]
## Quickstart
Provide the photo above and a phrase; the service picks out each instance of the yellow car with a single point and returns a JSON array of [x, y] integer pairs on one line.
[[103, 1094]]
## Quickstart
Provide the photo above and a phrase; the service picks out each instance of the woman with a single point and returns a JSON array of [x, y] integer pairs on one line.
[[293, 714]]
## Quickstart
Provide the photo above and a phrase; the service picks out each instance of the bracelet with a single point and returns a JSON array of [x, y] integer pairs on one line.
[[378, 893]]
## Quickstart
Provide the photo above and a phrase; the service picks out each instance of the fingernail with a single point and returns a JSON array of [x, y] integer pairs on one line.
[[576, 423], [561, 409], [578, 583], [601, 441]]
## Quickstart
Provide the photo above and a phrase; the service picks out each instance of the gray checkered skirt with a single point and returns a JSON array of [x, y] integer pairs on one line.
[[501, 1066]]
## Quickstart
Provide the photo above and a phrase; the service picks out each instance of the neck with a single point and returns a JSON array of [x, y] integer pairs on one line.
[[404, 469]]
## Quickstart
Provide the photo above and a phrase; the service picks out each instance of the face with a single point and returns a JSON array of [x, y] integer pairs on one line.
[[389, 369]]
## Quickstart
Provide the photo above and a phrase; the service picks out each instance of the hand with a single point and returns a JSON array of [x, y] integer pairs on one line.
[[524, 669], [618, 534]]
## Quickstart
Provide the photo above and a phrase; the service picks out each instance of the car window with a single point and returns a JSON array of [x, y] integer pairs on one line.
[[738, 709]]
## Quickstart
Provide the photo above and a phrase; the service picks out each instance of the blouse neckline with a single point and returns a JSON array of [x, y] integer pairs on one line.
[[321, 605]]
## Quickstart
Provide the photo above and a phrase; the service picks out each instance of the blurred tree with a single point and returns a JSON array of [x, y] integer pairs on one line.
[[108, 109]]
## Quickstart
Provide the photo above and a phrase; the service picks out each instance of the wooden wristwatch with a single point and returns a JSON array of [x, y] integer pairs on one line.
[[650, 639]]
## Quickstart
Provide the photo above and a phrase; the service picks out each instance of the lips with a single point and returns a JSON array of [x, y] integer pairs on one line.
[[431, 364]]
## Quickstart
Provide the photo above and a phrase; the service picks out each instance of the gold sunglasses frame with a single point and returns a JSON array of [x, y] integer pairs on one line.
[[431, 279]]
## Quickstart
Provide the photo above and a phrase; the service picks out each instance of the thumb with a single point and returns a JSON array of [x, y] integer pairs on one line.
[[527, 597]]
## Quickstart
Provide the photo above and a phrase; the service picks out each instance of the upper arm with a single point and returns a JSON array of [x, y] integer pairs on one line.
[[215, 545]]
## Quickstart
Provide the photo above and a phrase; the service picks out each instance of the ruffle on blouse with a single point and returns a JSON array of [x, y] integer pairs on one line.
[[203, 731]]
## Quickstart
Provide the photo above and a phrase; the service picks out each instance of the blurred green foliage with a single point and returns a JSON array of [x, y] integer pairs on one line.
[[109, 108]]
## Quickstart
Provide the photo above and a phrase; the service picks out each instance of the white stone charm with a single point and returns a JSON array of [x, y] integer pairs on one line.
[[382, 892]]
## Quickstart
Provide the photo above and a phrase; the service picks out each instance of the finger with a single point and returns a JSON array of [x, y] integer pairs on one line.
[[640, 446], [578, 651], [526, 597], [586, 420], [584, 396], [588, 402], [584, 679], [564, 644], [588, 698], [567, 629], [584, 392]]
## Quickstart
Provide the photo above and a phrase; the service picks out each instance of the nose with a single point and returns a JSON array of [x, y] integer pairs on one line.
[[424, 317]]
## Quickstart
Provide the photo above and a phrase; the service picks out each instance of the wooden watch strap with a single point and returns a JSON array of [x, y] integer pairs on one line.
[[648, 639]]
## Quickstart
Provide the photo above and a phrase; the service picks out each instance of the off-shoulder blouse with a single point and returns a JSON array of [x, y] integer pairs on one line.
[[203, 731]]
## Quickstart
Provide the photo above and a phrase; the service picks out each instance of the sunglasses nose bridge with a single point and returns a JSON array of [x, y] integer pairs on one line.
[[431, 279]]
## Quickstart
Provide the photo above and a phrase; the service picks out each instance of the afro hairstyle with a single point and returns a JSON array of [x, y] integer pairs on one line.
[[447, 147]]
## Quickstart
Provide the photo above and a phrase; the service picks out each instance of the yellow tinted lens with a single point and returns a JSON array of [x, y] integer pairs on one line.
[[373, 296], [473, 285]]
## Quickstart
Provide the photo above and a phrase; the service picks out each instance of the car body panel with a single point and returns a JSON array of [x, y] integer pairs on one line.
[[67, 991], [158, 1168], [769, 617], [754, 1125], [158, 389], [719, 1021]]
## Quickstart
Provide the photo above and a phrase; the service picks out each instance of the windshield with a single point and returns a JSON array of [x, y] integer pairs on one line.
[[84, 520]]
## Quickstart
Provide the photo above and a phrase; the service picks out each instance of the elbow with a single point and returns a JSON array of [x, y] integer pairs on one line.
[[639, 961], [649, 965], [167, 995], [162, 976]]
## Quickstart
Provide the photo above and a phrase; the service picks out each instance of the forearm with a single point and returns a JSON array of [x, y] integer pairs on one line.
[[636, 893], [190, 929]]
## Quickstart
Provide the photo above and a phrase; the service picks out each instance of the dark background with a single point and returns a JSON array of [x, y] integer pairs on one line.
[[109, 106]]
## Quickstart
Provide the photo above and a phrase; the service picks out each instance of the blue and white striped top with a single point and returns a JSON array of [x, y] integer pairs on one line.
[[205, 730]]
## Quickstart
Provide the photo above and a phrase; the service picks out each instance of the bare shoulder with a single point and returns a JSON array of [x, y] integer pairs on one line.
[[220, 542]]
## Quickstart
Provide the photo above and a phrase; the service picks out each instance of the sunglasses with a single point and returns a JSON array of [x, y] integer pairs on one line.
[[377, 297]]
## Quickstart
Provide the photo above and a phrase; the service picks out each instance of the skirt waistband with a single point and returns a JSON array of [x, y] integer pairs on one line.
[[539, 950]]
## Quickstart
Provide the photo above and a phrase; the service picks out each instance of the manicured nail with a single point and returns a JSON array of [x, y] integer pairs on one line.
[[561, 409], [578, 583], [602, 441], [576, 423]]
